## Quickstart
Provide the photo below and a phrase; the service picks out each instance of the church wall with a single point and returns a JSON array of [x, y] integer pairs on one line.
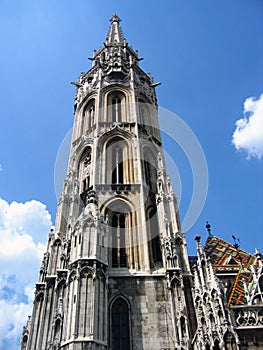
[[151, 317]]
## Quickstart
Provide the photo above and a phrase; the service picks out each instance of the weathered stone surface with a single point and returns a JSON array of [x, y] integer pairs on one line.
[[116, 273]]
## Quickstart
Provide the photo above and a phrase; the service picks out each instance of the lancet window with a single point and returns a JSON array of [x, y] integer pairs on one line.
[[120, 319], [119, 257], [150, 171], [120, 218], [57, 330], [118, 165], [116, 107], [88, 116], [84, 171], [24, 342], [154, 242]]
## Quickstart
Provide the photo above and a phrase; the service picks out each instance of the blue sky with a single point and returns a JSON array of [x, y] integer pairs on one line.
[[208, 56]]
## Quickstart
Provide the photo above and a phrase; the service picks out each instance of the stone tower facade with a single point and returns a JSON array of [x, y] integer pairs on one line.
[[116, 273]]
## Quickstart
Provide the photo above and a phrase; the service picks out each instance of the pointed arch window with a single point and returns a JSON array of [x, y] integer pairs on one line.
[[150, 171], [57, 330], [84, 170], [24, 342], [121, 221], [154, 243], [216, 345], [118, 256], [117, 165], [116, 107], [118, 169], [120, 328], [88, 116], [183, 326]]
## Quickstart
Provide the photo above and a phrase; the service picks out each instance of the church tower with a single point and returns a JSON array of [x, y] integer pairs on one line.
[[116, 273]]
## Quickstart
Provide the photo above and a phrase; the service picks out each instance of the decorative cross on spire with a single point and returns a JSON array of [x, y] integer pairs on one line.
[[208, 227]]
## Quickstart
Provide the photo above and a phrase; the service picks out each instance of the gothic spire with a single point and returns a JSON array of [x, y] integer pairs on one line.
[[115, 34]]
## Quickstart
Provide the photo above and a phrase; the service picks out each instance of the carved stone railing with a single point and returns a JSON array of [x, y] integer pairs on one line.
[[118, 188], [248, 316]]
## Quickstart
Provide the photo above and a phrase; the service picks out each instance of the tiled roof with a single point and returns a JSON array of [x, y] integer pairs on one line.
[[228, 258]]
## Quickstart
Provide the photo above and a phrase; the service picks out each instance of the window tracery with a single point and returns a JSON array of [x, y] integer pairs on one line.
[[119, 257], [119, 169], [116, 107], [121, 233]]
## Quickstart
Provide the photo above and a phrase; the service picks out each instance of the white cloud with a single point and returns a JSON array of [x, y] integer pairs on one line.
[[23, 234], [248, 135]]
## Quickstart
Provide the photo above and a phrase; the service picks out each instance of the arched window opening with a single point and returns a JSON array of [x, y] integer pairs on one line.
[[84, 171], [117, 166], [122, 235], [150, 172], [120, 330], [183, 326], [57, 330], [216, 345], [118, 162], [88, 116], [154, 243], [156, 246], [117, 223], [116, 107], [24, 342], [230, 343], [151, 176]]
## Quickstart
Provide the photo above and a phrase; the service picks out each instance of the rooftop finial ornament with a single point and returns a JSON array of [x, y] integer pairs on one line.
[[236, 242], [208, 227], [115, 18]]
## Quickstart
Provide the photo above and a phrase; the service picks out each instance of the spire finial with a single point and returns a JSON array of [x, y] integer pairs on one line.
[[115, 35], [236, 242], [208, 227], [115, 18]]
